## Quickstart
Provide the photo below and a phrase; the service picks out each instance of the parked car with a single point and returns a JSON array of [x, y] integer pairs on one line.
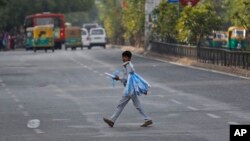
[[97, 37], [88, 26], [85, 37]]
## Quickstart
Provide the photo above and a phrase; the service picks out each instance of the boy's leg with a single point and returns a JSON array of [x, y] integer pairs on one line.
[[138, 106], [122, 103]]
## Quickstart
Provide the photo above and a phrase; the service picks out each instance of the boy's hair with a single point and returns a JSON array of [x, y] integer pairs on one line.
[[127, 53]]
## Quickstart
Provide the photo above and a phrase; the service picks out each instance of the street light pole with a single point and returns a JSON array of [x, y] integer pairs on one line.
[[146, 32], [149, 7]]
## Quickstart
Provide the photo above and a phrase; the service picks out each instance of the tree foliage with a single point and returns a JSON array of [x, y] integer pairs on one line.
[[125, 19], [12, 14], [2, 3], [133, 21], [238, 12], [110, 14], [196, 22], [123, 23], [167, 16]]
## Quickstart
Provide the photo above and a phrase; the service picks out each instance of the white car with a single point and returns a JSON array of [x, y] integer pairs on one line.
[[85, 38], [88, 26], [97, 37]]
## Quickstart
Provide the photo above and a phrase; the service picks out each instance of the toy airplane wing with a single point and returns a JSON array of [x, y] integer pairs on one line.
[[110, 75]]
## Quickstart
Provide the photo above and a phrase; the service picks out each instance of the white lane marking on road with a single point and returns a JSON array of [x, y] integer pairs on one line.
[[89, 68], [81, 126], [74, 60], [192, 108], [39, 131], [176, 102], [96, 71], [213, 115], [60, 119], [101, 74], [16, 100], [58, 90], [8, 90], [156, 95], [161, 96], [3, 84], [90, 113], [78, 62], [26, 114], [20, 106], [13, 96], [233, 123], [154, 66]]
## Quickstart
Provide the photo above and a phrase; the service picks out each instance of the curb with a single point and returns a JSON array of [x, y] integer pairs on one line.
[[187, 62]]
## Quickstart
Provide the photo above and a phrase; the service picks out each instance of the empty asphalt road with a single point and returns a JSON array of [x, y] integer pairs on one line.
[[70, 94]]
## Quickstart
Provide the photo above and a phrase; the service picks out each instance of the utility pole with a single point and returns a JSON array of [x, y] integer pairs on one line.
[[149, 7]]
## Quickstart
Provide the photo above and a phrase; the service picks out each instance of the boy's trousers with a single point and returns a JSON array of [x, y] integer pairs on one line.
[[123, 102]]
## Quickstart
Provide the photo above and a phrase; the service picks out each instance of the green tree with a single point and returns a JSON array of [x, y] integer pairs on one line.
[[196, 22], [167, 16], [133, 20], [110, 14], [2, 3], [238, 12], [14, 11], [78, 18]]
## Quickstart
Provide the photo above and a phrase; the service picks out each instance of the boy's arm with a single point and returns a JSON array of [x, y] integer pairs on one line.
[[123, 81], [130, 68], [117, 78]]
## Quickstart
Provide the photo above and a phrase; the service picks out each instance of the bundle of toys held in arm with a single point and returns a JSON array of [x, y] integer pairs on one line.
[[134, 84]]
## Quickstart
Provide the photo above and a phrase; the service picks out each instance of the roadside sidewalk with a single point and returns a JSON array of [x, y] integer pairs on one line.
[[185, 61]]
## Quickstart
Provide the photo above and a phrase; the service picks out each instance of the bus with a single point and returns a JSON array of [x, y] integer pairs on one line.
[[47, 18]]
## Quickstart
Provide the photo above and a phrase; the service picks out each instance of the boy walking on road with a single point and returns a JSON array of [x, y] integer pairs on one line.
[[134, 87]]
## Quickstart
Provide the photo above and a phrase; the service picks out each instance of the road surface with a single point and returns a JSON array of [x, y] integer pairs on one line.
[[69, 93]]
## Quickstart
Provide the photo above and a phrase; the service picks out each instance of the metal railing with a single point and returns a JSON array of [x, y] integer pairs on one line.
[[216, 56], [174, 49]]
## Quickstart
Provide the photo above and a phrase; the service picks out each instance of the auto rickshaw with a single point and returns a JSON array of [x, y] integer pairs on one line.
[[218, 39], [43, 37], [73, 37], [29, 40], [237, 38]]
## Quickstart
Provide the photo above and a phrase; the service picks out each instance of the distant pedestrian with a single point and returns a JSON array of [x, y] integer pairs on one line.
[[5, 41], [11, 42], [1, 41], [134, 87]]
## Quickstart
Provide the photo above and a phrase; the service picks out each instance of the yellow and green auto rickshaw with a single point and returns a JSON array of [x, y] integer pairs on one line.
[[43, 37], [237, 38], [218, 39], [73, 37], [29, 40]]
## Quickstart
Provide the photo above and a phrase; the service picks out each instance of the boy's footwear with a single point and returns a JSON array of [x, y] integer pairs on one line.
[[109, 122], [147, 123]]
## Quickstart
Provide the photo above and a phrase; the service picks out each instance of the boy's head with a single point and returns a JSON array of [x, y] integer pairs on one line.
[[126, 56]]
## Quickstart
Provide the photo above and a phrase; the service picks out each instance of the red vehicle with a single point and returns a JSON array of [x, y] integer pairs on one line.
[[46, 18]]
